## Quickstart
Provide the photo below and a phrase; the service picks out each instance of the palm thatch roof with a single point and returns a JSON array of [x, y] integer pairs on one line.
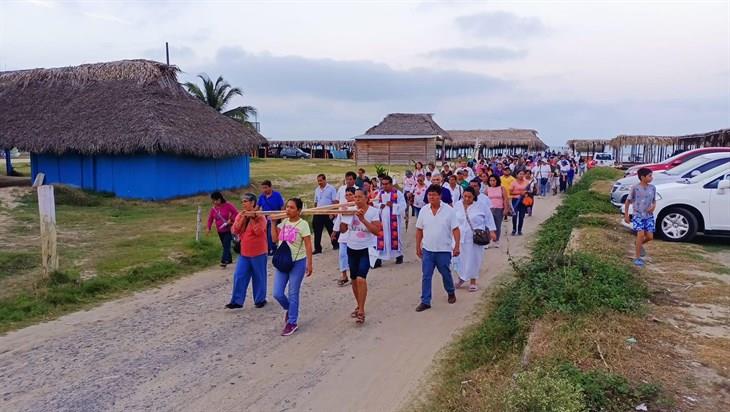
[[120, 107], [635, 140], [497, 138], [714, 138], [405, 125], [587, 145]]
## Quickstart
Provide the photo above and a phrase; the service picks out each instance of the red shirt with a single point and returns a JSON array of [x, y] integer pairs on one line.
[[253, 236]]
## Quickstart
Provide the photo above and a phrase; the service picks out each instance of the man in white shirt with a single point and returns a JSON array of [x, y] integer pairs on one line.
[[324, 195], [349, 182], [434, 246], [542, 175]]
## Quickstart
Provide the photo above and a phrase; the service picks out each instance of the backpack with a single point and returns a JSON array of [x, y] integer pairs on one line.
[[282, 259]]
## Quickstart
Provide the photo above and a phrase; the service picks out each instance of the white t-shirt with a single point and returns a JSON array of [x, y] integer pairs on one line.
[[360, 237], [341, 193], [336, 224], [456, 192], [437, 229]]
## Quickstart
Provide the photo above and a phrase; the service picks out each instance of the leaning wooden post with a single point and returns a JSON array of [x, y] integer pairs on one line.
[[198, 224], [47, 210]]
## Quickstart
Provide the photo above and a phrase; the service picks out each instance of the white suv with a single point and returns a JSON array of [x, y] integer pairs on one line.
[[698, 204]]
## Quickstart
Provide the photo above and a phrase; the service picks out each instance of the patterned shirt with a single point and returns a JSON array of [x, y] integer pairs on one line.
[[642, 199]]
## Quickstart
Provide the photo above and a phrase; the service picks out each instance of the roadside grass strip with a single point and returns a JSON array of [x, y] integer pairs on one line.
[[572, 286]]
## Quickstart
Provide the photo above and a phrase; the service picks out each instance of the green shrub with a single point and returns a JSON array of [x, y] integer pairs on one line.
[[539, 390], [609, 392]]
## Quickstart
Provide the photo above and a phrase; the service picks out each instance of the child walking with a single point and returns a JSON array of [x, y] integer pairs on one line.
[[643, 197]]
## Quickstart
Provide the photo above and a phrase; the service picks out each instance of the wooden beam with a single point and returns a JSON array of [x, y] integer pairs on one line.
[[47, 212]]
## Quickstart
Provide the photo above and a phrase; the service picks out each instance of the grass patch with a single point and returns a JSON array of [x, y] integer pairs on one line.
[[64, 292], [549, 282], [12, 263]]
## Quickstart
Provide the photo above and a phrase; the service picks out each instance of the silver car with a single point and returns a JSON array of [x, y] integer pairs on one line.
[[687, 170]]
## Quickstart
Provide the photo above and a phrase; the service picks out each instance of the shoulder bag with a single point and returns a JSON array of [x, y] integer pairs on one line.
[[282, 259], [480, 236]]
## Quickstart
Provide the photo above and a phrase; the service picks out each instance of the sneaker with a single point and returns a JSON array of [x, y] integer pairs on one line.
[[639, 262], [514, 233], [486, 247], [260, 304], [289, 329], [233, 306], [422, 306], [452, 297], [496, 245], [399, 260], [378, 263]]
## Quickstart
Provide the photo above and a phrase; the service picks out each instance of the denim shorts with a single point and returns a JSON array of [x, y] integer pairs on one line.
[[643, 224]]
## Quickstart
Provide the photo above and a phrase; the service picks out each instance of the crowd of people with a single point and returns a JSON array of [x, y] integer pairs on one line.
[[459, 210]]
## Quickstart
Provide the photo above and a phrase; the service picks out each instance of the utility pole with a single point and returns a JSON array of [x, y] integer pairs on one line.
[[167, 53]]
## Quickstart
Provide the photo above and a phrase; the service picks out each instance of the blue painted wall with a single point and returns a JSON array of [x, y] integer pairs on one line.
[[144, 176]]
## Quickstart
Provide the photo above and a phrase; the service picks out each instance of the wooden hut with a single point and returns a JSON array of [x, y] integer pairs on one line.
[[589, 147], [399, 139], [636, 149], [717, 138], [126, 127], [463, 143]]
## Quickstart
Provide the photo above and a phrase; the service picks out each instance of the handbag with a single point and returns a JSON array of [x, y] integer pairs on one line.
[[282, 259], [480, 236], [237, 244]]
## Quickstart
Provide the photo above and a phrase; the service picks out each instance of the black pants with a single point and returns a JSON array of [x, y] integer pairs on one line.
[[320, 222], [226, 239]]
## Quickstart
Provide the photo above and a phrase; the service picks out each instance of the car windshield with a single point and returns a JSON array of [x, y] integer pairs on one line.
[[671, 159], [689, 165], [604, 156], [719, 170]]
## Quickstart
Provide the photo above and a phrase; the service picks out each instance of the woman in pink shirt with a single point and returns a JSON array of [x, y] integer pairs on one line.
[[223, 214], [251, 265], [497, 195]]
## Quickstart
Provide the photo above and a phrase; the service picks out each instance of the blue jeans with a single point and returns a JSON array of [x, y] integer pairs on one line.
[[431, 261], [344, 264], [272, 245], [518, 215], [416, 210], [290, 301], [226, 240], [246, 269], [544, 187]]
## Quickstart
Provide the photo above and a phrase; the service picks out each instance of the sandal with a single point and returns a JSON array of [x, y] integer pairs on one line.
[[473, 288], [459, 284], [354, 313], [342, 282], [360, 318]]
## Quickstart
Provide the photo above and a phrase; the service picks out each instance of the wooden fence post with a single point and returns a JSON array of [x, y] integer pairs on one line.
[[197, 224], [47, 211]]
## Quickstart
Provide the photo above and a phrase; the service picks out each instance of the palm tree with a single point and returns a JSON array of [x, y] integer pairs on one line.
[[217, 95]]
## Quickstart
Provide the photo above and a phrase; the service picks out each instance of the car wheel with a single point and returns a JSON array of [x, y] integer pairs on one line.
[[678, 225]]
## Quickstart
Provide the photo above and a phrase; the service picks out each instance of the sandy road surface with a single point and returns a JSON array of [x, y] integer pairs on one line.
[[176, 348]]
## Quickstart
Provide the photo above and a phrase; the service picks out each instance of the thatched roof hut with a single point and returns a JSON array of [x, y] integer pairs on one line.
[[588, 145], [399, 139], [463, 142], [120, 107], [126, 127], [716, 138]]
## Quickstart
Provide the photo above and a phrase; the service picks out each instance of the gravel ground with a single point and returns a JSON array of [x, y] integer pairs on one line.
[[175, 348]]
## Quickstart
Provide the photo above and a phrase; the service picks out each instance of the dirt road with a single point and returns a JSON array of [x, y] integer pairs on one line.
[[176, 348]]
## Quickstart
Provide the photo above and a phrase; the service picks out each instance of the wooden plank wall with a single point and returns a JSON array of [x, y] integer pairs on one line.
[[395, 151]]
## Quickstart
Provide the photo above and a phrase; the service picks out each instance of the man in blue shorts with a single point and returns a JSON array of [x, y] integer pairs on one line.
[[643, 197]]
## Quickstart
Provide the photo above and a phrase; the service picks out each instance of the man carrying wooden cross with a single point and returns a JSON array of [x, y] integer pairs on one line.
[[392, 206]]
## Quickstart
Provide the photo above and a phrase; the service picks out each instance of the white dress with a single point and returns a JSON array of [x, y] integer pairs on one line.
[[470, 259]]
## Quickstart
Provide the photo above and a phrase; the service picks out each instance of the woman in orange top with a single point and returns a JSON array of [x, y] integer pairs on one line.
[[251, 265], [517, 191]]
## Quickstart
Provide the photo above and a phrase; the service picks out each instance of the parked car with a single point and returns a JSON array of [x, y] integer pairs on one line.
[[293, 153], [690, 206], [676, 160], [603, 159], [687, 170]]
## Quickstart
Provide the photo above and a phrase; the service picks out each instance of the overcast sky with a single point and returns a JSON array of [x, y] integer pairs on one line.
[[330, 70]]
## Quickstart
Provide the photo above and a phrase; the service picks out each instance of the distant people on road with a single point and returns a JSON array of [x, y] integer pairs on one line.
[[251, 265], [222, 214]]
